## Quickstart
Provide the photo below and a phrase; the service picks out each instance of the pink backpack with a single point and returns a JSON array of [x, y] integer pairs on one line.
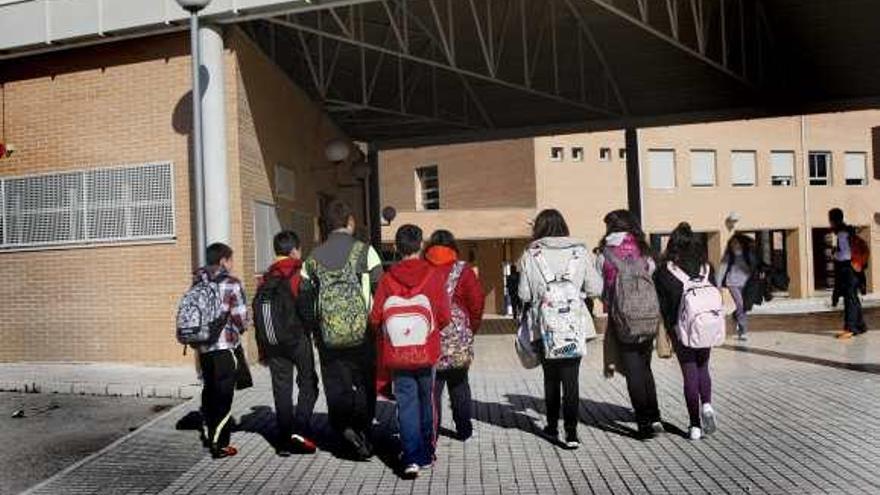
[[701, 321]]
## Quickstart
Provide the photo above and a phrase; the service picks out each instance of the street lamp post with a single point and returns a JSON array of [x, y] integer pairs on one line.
[[193, 7]]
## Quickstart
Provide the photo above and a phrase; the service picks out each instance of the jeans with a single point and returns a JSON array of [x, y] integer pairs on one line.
[[636, 360], [847, 285], [218, 390], [697, 381], [456, 380], [349, 386], [742, 321], [566, 373], [281, 367], [415, 414]]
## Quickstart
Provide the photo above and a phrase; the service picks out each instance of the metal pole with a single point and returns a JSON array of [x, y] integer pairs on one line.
[[373, 197], [198, 166]]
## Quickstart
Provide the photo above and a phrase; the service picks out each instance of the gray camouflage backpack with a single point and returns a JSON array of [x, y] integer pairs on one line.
[[200, 316], [635, 309]]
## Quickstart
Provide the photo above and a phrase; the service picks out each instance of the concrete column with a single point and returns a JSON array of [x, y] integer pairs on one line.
[[633, 174], [217, 204]]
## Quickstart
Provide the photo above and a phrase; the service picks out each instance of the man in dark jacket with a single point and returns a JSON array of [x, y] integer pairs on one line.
[[294, 349]]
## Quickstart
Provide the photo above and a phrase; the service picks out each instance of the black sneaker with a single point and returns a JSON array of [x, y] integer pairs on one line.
[[551, 433], [361, 447]]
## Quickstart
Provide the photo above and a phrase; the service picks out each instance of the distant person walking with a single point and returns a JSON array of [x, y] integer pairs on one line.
[[284, 318], [694, 320], [634, 315], [345, 273], [849, 250], [738, 265], [513, 292], [557, 274], [466, 301]]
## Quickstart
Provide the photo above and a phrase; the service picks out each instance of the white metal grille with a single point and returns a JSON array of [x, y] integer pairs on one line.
[[92, 206]]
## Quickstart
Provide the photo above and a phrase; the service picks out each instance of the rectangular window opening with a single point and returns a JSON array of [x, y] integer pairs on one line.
[[855, 168], [743, 168], [782, 168], [820, 168], [702, 168], [577, 154], [427, 188], [661, 169], [557, 153]]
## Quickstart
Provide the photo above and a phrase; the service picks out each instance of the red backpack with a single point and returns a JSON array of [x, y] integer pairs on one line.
[[411, 338], [859, 252]]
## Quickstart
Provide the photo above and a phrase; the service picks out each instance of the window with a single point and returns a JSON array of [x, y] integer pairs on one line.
[[782, 168], [702, 168], [557, 153], [661, 169], [605, 154], [86, 207], [855, 171], [427, 188], [621, 153], [577, 154], [285, 183], [742, 164], [820, 168], [266, 225]]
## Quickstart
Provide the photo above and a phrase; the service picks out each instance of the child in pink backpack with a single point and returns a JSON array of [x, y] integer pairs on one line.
[[687, 252]]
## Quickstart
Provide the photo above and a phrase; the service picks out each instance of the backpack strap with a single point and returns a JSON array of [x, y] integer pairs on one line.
[[350, 267], [454, 277], [543, 268]]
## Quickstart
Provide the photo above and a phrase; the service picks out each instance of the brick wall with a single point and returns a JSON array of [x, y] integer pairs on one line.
[[127, 103], [124, 103]]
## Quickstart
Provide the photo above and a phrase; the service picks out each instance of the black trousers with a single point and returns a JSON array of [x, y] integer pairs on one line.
[[349, 377], [636, 360], [563, 372], [847, 286], [218, 376], [281, 365], [456, 381]]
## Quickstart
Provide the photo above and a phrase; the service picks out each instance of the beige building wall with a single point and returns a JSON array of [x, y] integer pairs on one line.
[[496, 174], [129, 103], [585, 190]]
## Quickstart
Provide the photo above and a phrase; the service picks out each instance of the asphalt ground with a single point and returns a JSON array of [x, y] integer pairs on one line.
[[58, 430]]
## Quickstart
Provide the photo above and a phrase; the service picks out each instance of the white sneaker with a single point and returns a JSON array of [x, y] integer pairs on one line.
[[709, 424], [658, 428], [411, 472], [695, 433]]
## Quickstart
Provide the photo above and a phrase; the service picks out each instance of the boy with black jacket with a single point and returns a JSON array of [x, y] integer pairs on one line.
[[284, 318]]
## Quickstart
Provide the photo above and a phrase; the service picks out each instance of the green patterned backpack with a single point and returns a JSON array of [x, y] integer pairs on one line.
[[342, 311]]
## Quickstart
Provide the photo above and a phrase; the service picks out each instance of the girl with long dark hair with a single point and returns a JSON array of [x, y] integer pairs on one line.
[[687, 251], [557, 274], [624, 252]]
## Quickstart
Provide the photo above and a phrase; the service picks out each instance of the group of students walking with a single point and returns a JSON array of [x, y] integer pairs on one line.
[[408, 333]]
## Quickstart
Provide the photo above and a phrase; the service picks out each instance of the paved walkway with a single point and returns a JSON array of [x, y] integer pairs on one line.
[[786, 426]]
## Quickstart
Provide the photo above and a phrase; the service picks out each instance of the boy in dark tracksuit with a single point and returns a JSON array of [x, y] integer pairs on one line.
[[291, 350], [348, 374], [218, 361]]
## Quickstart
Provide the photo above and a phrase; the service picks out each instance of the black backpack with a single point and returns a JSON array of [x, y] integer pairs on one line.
[[275, 314]]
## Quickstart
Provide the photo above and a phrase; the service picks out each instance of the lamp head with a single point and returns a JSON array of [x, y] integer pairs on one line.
[[337, 150], [193, 6]]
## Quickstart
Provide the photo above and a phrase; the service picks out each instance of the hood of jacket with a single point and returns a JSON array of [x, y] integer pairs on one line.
[[410, 273], [285, 268], [557, 242], [623, 244], [441, 255]]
